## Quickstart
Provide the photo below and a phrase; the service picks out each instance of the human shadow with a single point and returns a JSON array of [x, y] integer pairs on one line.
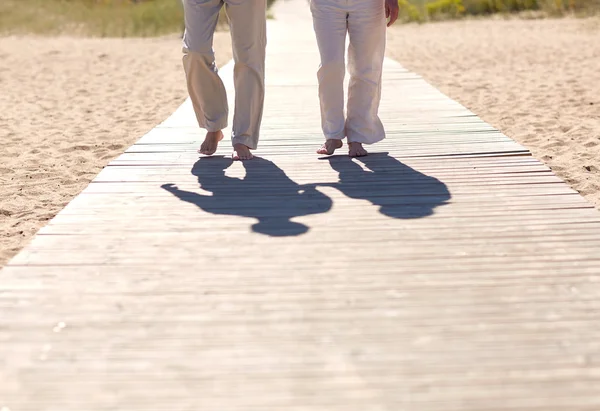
[[266, 193], [398, 190]]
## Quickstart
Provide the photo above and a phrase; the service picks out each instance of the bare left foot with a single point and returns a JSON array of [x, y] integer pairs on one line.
[[357, 150], [241, 152]]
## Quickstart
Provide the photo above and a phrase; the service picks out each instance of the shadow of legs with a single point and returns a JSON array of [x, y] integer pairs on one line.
[[398, 190], [266, 193]]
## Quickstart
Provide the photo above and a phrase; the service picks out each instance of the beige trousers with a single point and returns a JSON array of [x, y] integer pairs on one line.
[[364, 22], [247, 21]]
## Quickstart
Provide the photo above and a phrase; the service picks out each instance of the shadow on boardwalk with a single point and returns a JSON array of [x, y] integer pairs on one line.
[[398, 190], [270, 196], [266, 193]]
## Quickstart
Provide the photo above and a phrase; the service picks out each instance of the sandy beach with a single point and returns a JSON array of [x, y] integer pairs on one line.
[[68, 107], [538, 81]]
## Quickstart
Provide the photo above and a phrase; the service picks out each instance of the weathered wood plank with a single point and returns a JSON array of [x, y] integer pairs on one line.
[[448, 271]]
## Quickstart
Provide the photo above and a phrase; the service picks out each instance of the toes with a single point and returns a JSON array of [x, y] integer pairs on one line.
[[357, 153], [329, 147], [211, 143], [241, 156], [357, 150], [206, 150], [241, 152]]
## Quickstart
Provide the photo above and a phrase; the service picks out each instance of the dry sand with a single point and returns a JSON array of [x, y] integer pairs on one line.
[[537, 81], [70, 105]]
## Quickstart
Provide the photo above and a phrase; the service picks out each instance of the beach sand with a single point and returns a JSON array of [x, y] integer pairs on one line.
[[538, 81], [70, 105]]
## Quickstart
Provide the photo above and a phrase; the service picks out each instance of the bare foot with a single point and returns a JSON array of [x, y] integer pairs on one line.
[[211, 142], [241, 152], [330, 146], [357, 150]]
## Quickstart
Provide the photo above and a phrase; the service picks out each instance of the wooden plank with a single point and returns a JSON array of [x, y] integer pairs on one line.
[[448, 271]]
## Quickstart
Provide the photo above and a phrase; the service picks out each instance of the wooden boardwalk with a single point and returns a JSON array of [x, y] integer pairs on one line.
[[448, 271]]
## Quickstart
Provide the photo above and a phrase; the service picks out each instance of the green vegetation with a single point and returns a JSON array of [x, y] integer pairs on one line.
[[142, 18], [428, 10], [105, 18], [112, 18]]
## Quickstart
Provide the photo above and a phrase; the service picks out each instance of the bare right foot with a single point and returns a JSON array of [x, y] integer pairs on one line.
[[330, 146], [357, 150], [241, 152], [211, 142]]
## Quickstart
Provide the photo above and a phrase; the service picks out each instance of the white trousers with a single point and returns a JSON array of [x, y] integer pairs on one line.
[[364, 22], [247, 21]]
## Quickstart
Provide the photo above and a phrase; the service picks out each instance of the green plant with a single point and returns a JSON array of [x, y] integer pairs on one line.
[[445, 9], [409, 12], [579, 7], [105, 18], [99, 18]]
